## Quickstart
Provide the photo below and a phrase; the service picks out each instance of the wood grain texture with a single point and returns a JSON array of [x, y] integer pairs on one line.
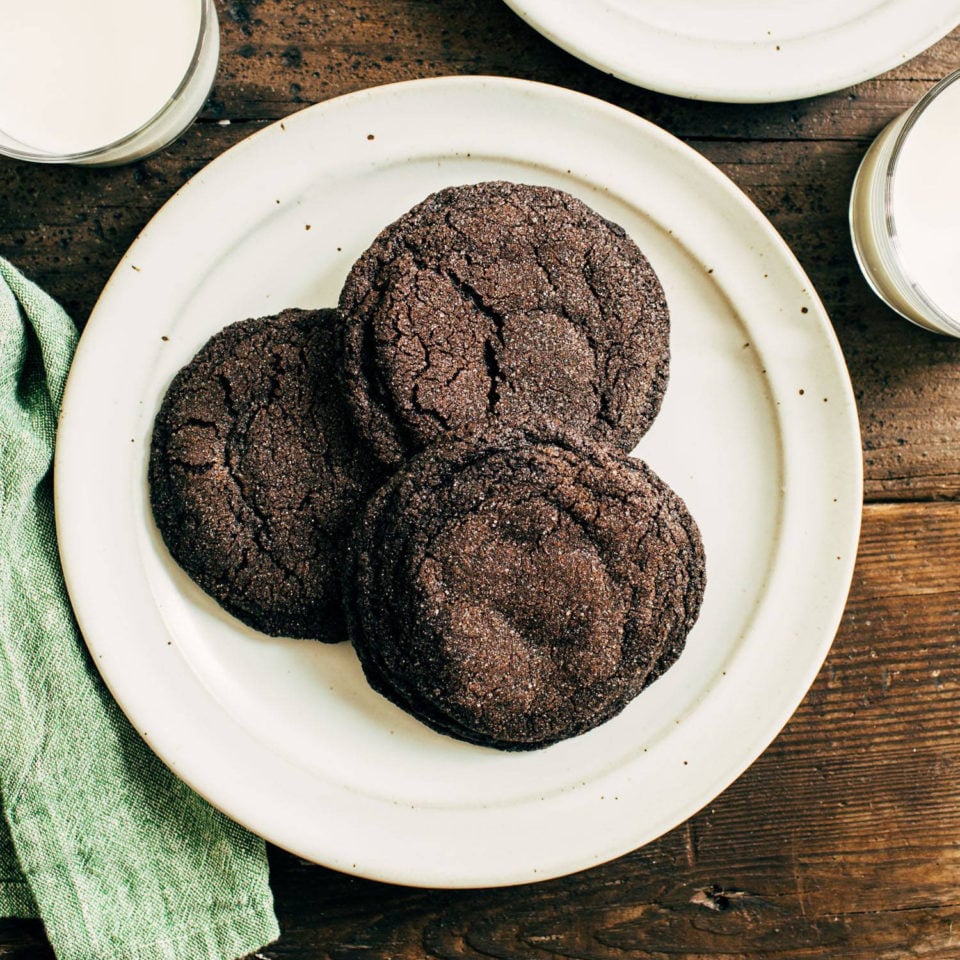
[[68, 227], [279, 55], [906, 380], [841, 841]]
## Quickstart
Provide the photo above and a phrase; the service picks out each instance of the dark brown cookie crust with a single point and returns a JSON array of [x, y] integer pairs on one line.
[[508, 300], [255, 477], [521, 587]]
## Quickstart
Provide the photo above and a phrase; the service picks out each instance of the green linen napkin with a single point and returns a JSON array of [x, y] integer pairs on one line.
[[117, 856]]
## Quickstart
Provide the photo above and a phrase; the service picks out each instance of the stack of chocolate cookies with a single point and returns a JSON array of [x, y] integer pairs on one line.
[[438, 469]]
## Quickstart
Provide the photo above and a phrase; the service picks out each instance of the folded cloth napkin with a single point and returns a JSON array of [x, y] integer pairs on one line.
[[116, 855]]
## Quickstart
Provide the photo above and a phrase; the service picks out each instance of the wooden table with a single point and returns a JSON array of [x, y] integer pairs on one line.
[[839, 841]]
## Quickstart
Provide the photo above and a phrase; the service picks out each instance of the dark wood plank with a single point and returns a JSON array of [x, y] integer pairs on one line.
[[839, 842], [24, 940], [906, 380], [67, 227], [278, 56]]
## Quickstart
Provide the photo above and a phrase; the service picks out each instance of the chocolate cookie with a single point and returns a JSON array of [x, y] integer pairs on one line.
[[255, 477], [504, 300], [521, 586]]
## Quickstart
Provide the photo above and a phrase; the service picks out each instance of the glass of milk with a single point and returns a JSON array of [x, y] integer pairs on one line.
[[905, 211], [102, 82]]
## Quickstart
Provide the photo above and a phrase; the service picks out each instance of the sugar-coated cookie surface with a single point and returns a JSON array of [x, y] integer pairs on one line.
[[505, 300], [522, 585], [255, 477]]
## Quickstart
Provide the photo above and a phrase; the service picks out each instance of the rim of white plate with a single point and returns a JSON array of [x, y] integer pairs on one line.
[[752, 54], [454, 846]]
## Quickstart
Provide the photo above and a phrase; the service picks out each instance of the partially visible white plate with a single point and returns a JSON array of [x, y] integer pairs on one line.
[[742, 51], [758, 433]]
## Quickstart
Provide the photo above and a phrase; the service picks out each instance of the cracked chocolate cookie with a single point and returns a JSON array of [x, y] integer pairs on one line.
[[521, 586], [503, 300], [255, 476]]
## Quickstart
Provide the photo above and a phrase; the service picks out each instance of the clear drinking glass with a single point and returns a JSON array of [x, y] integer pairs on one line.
[[905, 211], [156, 130]]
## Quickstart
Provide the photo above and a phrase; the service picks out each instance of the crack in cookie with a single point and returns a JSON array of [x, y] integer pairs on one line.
[[504, 300]]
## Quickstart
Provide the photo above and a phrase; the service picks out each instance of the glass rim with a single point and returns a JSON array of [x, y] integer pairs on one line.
[[46, 156], [889, 219]]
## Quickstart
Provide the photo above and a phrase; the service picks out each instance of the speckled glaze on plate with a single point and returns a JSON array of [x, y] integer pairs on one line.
[[758, 433], [742, 51]]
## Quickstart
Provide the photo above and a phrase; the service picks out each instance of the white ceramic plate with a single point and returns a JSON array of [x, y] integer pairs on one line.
[[742, 51], [758, 432]]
